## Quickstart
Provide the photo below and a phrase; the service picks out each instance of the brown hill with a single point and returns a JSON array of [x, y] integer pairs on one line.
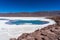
[[31, 14]]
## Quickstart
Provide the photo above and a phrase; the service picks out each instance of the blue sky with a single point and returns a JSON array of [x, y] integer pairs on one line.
[[29, 5]]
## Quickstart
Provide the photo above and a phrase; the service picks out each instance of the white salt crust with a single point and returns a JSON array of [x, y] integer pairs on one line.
[[13, 31]]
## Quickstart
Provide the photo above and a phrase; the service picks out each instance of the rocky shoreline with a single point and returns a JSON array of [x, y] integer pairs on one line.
[[52, 32]]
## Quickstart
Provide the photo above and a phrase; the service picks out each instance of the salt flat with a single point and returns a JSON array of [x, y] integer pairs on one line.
[[13, 31]]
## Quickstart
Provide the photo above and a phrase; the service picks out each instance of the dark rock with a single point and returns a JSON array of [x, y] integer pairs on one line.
[[13, 39]]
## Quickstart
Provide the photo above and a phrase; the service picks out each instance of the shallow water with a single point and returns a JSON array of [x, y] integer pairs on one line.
[[19, 22]]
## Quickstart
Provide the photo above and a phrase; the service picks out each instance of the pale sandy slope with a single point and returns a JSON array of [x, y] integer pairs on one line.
[[13, 31]]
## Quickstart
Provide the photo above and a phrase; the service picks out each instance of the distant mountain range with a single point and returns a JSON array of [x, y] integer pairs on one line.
[[31, 14]]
